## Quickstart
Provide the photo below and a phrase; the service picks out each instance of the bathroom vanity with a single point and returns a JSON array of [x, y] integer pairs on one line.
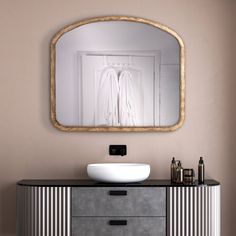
[[88, 208]]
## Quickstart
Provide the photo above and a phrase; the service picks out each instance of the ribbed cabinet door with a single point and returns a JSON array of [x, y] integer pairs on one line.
[[43, 211], [194, 211]]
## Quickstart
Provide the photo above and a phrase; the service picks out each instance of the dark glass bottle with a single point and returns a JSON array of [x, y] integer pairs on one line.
[[201, 171], [179, 173], [173, 170]]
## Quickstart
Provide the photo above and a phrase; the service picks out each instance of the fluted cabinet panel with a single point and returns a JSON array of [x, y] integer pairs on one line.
[[194, 211], [43, 211]]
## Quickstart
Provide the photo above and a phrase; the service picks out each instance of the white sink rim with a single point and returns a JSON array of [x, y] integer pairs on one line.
[[118, 172]]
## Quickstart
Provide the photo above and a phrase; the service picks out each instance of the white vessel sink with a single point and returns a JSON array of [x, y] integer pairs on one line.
[[118, 172]]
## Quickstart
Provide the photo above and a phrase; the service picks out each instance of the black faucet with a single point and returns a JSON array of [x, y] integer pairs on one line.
[[117, 150]]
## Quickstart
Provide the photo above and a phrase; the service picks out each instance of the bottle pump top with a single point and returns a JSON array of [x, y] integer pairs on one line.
[[173, 160], [201, 161]]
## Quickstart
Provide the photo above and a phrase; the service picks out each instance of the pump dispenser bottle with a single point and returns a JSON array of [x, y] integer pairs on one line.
[[201, 171], [173, 170], [179, 174]]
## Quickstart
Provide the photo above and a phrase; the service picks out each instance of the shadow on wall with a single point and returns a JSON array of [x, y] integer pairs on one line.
[[8, 209]]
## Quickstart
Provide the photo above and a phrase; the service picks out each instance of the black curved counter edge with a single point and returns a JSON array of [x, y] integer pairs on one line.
[[91, 183]]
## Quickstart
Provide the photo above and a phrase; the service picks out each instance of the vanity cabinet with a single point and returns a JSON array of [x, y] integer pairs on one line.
[[87, 208]]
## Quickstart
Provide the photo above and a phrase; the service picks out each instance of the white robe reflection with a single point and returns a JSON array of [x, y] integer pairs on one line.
[[127, 104], [116, 99], [108, 98]]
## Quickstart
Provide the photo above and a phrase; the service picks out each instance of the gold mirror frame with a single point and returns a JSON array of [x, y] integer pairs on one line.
[[116, 129]]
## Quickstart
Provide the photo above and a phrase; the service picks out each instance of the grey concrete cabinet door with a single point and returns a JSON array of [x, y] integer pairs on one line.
[[138, 201], [136, 226]]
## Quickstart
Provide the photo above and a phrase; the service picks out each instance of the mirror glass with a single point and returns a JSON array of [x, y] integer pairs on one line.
[[117, 74]]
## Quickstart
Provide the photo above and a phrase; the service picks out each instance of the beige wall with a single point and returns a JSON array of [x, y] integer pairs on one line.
[[30, 147]]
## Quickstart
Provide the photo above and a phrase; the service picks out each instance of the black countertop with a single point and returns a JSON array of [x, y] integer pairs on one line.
[[91, 183]]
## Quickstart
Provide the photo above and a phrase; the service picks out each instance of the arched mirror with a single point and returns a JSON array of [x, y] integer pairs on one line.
[[117, 74]]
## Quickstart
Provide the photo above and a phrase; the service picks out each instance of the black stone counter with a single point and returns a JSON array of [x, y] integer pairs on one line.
[[91, 183]]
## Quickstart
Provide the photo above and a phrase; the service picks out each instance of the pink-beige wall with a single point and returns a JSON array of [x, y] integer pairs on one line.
[[30, 147]]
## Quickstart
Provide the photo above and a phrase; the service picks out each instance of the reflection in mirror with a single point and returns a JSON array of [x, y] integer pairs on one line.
[[112, 73]]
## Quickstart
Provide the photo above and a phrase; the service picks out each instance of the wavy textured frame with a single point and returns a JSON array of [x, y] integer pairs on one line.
[[116, 129]]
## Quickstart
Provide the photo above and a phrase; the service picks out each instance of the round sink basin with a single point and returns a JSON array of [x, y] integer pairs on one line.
[[118, 172]]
